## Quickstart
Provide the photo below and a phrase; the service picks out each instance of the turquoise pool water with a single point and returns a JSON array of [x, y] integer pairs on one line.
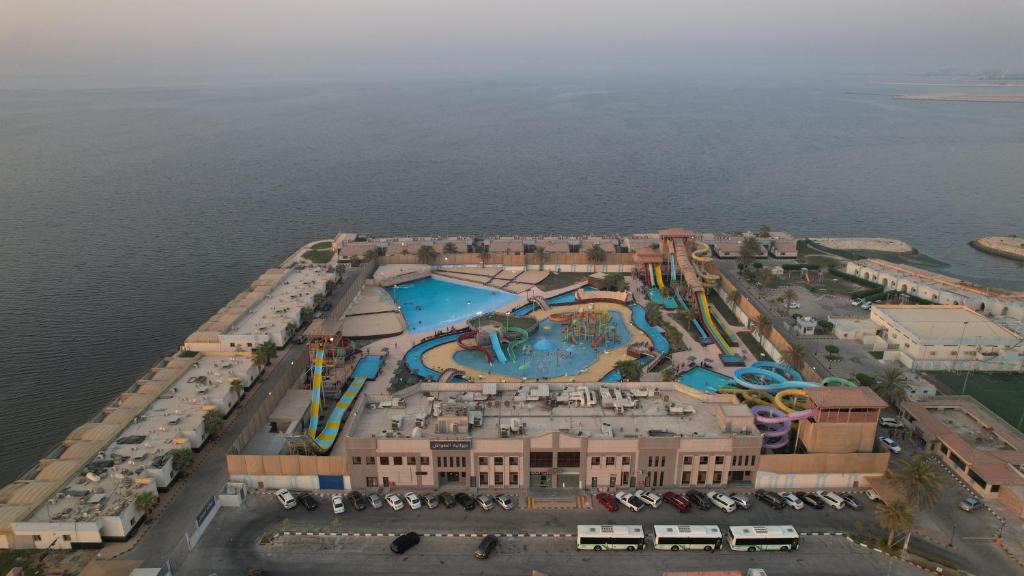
[[368, 367], [654, 295], [704, 380], [640, 319], [545, 355], [432, 304]]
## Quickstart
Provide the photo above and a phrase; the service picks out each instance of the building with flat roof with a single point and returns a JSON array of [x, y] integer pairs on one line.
[[946, 337], [939, 288], [979, 447]]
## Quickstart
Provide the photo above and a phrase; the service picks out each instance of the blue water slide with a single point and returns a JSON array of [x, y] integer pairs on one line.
[[770, 377], [704, 338], [496, 346]]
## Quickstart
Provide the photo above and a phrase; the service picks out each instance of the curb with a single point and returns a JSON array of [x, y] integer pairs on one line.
[[430, 534], [901, 559]]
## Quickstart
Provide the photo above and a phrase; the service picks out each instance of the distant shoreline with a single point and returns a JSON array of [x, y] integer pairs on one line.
[[996, 98]]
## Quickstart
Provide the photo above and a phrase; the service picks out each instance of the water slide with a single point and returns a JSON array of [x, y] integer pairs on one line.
[[770, 377], [657, 276], [522, 336], [837, 381], [496, 347], [672, 267], [700, 256], [467, 341], [696, 324], [705, 316], [324, 439], [775, 424]]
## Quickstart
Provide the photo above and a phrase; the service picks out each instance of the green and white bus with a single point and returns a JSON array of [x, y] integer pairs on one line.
[[754, 538], [687, 537], [609, 537]]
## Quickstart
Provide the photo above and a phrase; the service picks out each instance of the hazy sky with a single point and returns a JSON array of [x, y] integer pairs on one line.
[[478, 38]]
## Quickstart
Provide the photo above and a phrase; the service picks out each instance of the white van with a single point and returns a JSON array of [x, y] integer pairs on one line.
[[649, 498], [832, 499], [286, 499], [722, 501]]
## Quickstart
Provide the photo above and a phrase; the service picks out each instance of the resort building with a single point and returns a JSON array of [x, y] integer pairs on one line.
[[976, 444], [946, 337], [269, 311], [938, 288]]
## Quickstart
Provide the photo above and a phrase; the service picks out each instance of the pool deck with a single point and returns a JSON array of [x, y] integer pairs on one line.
[[444, 356]]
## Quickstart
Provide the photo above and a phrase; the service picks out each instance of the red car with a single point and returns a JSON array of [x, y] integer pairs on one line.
[[677, 501], [608, 501]]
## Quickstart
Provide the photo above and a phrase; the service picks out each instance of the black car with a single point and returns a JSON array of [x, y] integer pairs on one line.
[[486, 546], [851, 501], [699, 499], [465, 500], [811, 499], [447, 499], [401, 544], [308, 501], [770, 499], [358, 500]]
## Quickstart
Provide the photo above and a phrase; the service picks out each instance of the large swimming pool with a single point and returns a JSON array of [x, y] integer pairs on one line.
[[546, 355], [432, 304], [705, 380]]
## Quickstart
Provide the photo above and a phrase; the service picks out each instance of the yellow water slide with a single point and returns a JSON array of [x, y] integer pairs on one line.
[[657, 276], [794, 405], [701, 255]]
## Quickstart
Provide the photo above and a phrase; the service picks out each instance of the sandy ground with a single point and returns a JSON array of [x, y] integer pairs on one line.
[[872, 244], [1009, 246]]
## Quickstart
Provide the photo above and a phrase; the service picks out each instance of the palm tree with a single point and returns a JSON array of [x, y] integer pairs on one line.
[[762, 327], [894, 517], [426, 255], [541, 255], [213, 422], [789, 295], [629, 370], [796, 356], [485, 257], [749, 250], [146, 502], [733, 298], [918, 481], [765, 231], [892, 386], [236, 387], [450, 248], [668, 374], [370, 254], [596, 254], [262, 354], [183, 459], [764, 276]]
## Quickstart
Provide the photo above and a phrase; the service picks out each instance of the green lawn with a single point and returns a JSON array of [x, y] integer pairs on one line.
[[325, 245], [1000, 392], [318, 256], [561, 280], [722, 308], [753, 345]]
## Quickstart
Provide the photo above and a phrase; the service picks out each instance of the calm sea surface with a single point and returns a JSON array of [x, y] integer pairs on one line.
[[129, 216]]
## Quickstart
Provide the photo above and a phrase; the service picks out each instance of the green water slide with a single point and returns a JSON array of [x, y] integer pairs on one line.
[[521, 337]]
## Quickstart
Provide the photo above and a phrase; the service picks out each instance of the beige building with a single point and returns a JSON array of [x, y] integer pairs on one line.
[[946, 337]]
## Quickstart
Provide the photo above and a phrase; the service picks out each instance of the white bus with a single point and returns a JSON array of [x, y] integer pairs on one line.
[[687, 537], [609, 537], [753, 538]]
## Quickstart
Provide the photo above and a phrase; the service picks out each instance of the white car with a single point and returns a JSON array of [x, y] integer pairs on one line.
[[890, 422], [792, 500], [629, 501], [856, 302], [414, 501], [872, 495], [505, 501], [866, 306], [394, 502], [890, 444], [722, 501], [793, 305], [286, 499], [338, 504], [486, 502], [832, 499], [649, 498]]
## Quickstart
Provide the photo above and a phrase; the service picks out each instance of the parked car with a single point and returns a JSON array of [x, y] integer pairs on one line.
[[414, 501], [890, 444], [832, 499], [890, 422], [358, 500], [447, 499], [722, 501], [465, 500], [741, 500], [698, 499], [793, 305], [866, 306], [851, 501], [770, 498], [286, 499], [677, 501], [376, 502], [856, 302], [811, 500], [486, 546], [404, 542], [608, 501], [308, 501], [486, 502], [431, 501], [792, 500], [338, 504], [629, 501], [872, 495], [505, 501], [970, 504], [649, 498], [394, 501]]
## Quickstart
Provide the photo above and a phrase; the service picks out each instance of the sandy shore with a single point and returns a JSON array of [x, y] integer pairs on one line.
[[961, 97], [872, 244], [1005, 246]]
